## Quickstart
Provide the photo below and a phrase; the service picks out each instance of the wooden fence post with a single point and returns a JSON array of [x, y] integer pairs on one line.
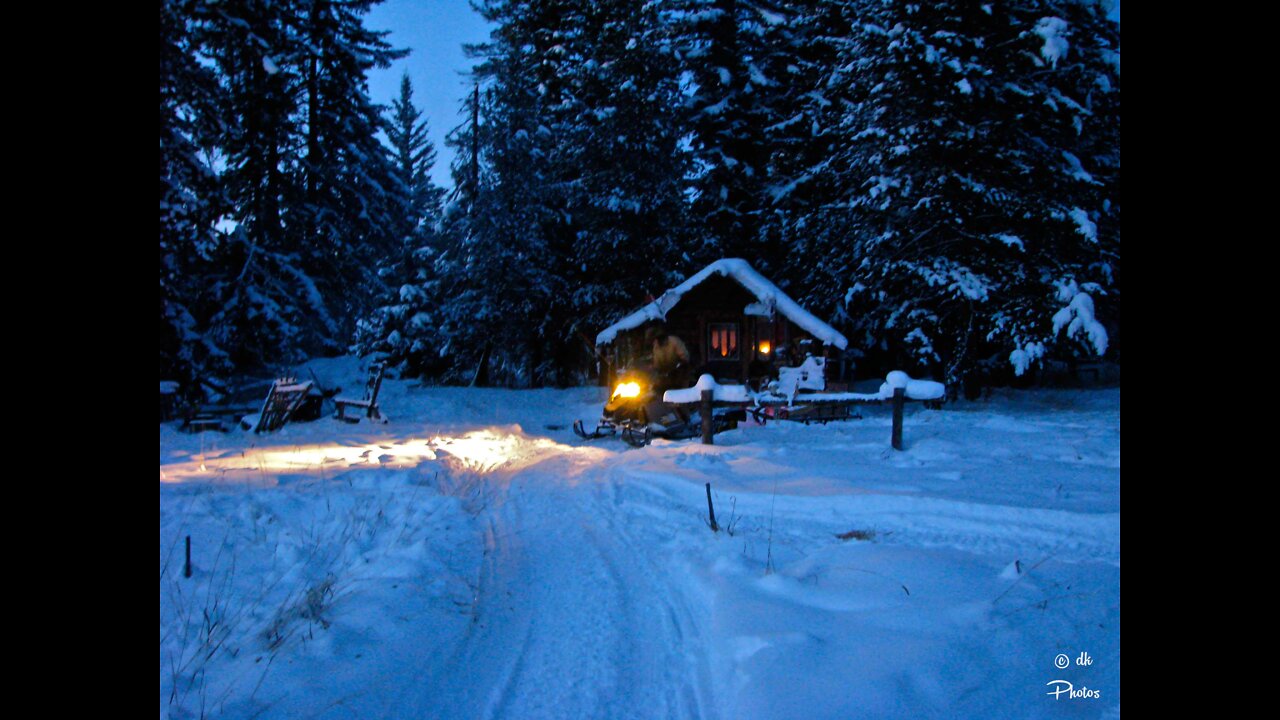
[[186, 569], [711, 510], [899, 399], [704, 409]]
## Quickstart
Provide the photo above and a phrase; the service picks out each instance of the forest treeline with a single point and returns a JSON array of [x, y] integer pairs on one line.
[[939, 180]]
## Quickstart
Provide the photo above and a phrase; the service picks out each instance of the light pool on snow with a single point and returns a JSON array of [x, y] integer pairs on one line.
[[481, 451]]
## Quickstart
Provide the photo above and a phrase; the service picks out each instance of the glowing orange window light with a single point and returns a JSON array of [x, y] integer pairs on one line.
[[724, 339], [765, 347]]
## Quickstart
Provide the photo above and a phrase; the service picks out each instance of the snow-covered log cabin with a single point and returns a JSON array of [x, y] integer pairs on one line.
[[737, 324]]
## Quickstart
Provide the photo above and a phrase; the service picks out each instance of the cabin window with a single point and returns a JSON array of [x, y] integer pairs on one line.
[[764, 339], [723, 341]]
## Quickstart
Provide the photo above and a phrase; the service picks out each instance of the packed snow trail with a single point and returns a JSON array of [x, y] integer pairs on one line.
[[600, 594], [572, 617], [485, 571]]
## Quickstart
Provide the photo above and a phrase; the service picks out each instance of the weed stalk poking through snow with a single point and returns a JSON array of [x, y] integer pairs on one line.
[[768, 563]]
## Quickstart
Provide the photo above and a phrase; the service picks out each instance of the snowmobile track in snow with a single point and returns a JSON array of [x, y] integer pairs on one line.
[[627, 646]]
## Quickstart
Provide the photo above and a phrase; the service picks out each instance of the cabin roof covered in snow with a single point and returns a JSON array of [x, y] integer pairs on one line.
[[767, 294]]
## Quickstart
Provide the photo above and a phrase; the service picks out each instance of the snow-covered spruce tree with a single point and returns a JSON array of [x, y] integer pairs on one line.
[[263, 303], [458, 345], [191, 200], [414, 157], [498, 271], [733, 61], [404, 328], [305, 179], [625, 178], [349, 223], [987, 219], [806, 87], [576, 205]]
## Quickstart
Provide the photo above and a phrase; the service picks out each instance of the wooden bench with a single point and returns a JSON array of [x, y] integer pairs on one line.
[[367, 404], [169, 400], [1089, 368], [200, 422], [200, 418]]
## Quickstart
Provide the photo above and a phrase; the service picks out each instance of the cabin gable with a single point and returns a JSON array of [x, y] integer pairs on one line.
[[736, 324]]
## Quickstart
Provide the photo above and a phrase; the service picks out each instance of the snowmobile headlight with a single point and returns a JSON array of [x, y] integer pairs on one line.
[[627, 390]]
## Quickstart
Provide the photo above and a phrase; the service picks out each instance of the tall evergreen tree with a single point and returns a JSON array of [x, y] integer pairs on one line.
[[414, 157], [987, 137], [941, 179], [353, 203], [622, 169], [581, 176], [732, 61], [804, 179], [404, 327], [191, 199], [264, 300], [499, 271], [300, 195], [451, 266]]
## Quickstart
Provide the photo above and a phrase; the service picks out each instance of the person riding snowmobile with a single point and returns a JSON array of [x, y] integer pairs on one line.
[[670, 358], [637, 407]]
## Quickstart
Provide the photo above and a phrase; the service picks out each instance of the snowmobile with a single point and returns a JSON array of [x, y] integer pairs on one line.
[[637, 412]]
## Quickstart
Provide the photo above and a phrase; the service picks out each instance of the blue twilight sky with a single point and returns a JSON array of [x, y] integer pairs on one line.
[[435, 30]]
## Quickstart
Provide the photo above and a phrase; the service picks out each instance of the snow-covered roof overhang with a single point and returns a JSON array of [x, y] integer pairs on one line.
[[767, 295]]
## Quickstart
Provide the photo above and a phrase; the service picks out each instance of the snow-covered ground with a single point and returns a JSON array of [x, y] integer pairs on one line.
[[473, 559]]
